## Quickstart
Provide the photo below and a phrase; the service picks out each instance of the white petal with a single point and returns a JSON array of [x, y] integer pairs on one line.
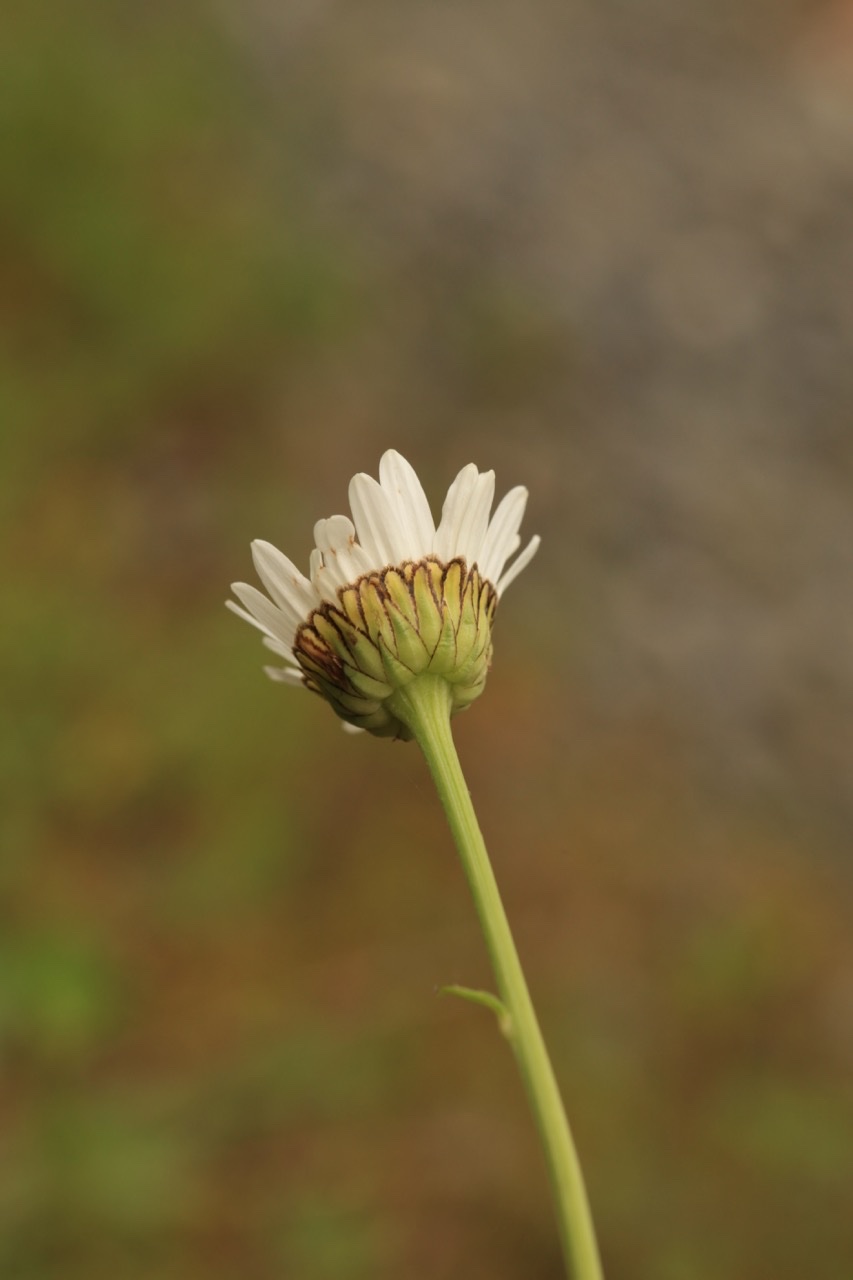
[[284, 675], [326, 584], [281, 649], [274, 567], [374, 521], [247, 617], [263, 613], [343, 558], [475, 522], [415, 525], [452, 513], [334, 532], [518, 564], [502, 537], [351, 728], [292, 592], [360, 562]]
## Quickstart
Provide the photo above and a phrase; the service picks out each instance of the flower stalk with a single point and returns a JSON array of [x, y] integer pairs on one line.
[[424, 707]]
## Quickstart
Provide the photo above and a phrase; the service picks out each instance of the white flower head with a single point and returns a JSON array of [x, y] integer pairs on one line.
[[389, 596]]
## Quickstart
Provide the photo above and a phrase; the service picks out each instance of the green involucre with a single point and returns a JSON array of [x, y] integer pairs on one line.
[[391, 627]]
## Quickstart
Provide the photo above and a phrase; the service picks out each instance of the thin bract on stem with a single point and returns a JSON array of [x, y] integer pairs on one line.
[[424, 706]]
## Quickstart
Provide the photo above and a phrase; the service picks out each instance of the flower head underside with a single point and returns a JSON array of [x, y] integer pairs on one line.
[[389, 596]]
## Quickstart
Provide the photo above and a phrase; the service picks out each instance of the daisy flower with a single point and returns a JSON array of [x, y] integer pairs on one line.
[[389, 596]]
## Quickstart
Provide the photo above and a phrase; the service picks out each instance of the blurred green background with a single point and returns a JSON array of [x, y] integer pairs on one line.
[[606, 250]]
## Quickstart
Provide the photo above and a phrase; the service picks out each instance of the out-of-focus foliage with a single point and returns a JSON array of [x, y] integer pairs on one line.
[[244, 249]]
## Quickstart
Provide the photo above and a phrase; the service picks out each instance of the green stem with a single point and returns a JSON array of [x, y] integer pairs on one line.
[[424, 707]]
